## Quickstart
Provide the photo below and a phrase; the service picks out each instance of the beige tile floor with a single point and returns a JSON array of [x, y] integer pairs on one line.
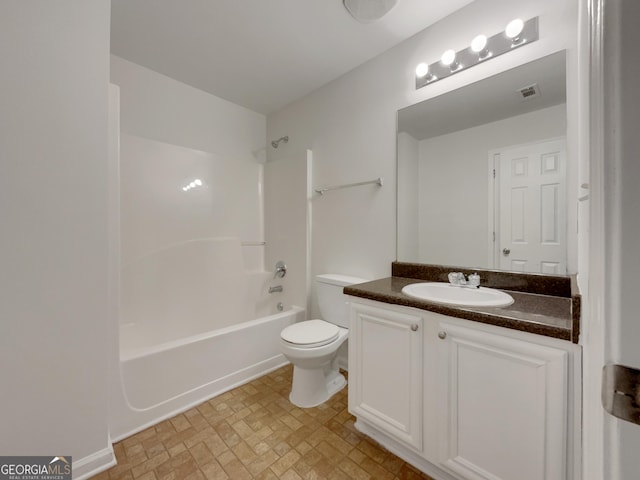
[[254, 432]]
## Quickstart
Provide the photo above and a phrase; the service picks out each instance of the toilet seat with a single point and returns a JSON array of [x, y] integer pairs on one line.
[[310, 333]]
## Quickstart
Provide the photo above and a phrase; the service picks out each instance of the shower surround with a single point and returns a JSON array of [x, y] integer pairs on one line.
[[196, 317]]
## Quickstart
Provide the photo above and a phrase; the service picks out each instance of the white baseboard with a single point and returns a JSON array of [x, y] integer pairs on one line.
[[94, 464]]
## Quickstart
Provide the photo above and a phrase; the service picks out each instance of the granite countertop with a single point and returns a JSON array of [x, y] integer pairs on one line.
[[549, 315]]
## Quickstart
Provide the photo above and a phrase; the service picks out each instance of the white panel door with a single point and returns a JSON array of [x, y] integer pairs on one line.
[[502, 405], [385, 371], [532, 204], [618, 173]]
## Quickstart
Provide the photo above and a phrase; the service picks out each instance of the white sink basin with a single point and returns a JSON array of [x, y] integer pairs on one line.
[[448, 294]]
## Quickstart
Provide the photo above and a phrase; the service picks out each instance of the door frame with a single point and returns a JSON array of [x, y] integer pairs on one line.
[[596, 453]]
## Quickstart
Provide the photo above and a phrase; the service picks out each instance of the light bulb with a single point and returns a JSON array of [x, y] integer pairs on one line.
[[448, 57], [479, 43], [198, 182], [184, 189], [514, 28], [422, 69], [192, 184]]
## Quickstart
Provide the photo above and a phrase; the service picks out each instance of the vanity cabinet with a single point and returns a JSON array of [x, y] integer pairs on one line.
[[385, 356], [470, 401], [502, 404]]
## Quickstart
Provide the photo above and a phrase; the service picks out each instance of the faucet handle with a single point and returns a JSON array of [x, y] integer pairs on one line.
[[474, 280], [457, 278], [281, 270]]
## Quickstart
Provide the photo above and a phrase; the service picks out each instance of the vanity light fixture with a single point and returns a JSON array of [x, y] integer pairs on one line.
[[422, 71], [448, 59], [479, 46], [513, 31], [482, 48]]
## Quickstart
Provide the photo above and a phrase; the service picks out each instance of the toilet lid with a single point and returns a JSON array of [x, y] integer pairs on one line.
[[311, 333]]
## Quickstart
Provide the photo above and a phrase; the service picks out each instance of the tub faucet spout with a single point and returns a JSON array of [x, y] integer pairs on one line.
[[277, 288]]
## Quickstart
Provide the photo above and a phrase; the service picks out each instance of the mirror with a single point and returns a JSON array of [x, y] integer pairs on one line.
[[483, 174]]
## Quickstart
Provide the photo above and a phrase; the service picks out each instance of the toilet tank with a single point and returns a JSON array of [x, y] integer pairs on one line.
[[331, 300]]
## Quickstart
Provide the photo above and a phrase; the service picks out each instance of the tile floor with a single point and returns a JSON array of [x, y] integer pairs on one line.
[[253, 432]]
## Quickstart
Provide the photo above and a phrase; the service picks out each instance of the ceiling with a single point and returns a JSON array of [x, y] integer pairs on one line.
[[261, 54]]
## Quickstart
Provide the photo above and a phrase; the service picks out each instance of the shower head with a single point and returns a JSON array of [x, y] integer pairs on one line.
[[284, 139]]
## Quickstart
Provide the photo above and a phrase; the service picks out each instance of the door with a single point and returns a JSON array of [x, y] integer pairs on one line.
[[385, 371], [531, 200], [619, 232]]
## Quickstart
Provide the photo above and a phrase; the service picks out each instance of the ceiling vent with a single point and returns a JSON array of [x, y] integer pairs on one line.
[[529, 92]]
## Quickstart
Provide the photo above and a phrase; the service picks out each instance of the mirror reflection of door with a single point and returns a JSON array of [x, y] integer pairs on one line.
[[446, 206], [530, 221]]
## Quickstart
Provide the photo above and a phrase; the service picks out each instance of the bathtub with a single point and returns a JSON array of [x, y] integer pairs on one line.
[[194, 321], [160, 381]]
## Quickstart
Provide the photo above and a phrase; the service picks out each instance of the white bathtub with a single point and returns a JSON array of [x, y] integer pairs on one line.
[[193, 323], [160, 381]]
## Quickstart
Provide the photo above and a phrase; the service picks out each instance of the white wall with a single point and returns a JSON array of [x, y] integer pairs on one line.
[[350, 124], [155, 106], [408, 236], [453, 174], [53, 246]]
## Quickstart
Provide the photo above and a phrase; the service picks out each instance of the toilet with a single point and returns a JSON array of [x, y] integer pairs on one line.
[[312, 346]]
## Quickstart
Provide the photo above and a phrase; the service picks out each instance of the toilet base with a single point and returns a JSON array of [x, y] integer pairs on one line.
[[312, 387]]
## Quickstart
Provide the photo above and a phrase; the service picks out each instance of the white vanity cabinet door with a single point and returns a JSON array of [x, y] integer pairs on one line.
[[502, 404], [385, 371]]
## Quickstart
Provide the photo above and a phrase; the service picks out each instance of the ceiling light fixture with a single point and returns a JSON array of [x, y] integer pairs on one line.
[[367, 11], [482, 48]]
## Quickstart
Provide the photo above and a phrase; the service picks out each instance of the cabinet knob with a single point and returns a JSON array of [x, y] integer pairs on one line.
[[442, 335], [414, 327]]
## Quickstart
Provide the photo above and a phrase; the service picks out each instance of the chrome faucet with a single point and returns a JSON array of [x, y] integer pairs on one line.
[[281, 270], [458, 279], [277, 288]]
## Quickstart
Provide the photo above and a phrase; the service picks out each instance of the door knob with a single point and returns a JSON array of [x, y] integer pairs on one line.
[[506, 251], [442, 335]]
